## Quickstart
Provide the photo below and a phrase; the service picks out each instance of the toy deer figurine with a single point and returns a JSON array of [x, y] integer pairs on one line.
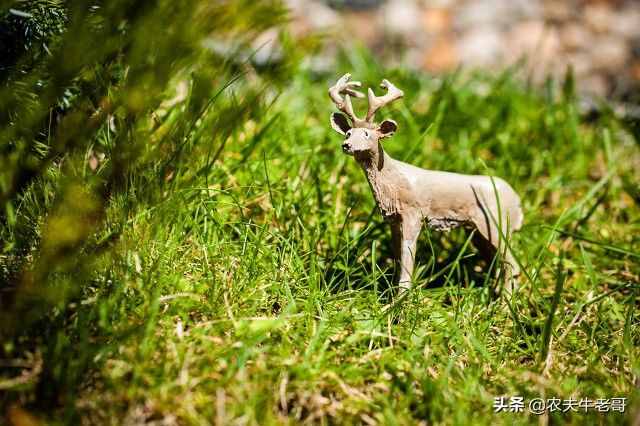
[[408, 196]]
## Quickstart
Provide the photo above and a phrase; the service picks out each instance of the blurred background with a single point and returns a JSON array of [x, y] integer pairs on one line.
[[600, 39]]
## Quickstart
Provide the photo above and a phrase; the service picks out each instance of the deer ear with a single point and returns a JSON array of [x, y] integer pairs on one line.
[[387, 128], [340, 123]]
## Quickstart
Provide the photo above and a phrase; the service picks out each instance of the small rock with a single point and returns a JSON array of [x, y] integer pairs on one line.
[[535, 41], [580, 62], [626, 23], [402, 17], [267, 48], [558, 11], [441, 4], [496, 12], [481, 46], [436, 20], [575, 36], [321, 16], [609, 53], [362, 26], [476, 13], [441, 56], [595, 84], [635, 70], [599, 17], [311, 15], [356, 4]]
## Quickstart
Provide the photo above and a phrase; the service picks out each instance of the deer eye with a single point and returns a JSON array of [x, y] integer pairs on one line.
[[348, 134], [366, 134]]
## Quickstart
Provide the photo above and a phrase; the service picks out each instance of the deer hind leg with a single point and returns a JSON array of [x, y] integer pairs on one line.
[[405, 234], [489, 242]]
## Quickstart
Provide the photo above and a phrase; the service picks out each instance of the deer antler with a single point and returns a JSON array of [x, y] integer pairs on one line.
[[344, 86], [377, 102]]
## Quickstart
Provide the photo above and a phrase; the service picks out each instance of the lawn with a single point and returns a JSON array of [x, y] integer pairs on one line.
[[252, 283]]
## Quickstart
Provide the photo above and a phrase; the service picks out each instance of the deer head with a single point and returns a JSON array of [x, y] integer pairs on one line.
[[361, 135]]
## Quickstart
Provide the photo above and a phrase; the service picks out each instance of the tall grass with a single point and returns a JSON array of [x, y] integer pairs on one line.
[[237, 272]]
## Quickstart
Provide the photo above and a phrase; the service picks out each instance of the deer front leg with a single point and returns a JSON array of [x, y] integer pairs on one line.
[[405, 234]]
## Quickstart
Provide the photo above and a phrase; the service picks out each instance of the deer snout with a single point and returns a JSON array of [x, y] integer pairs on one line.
[[346, 147]]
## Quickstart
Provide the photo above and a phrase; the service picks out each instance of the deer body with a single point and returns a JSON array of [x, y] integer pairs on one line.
[[408, 196]]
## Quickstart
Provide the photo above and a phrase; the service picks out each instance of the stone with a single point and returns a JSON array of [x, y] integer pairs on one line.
[[558, 11], [477, 13], [267, 48], [609, 53], [626, 22], [482, 46], [321, 16], [436, 20], [441, 4], [594, 84], [535, 41], [598, 38], [441, 56], [363, 26], [311, 15], [357, 4], [580, 62], [575, 36], [402, 17], [495, 12], [635, 70], [599, 17]]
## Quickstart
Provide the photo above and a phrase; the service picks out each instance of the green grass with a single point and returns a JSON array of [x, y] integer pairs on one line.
[[255, 289]]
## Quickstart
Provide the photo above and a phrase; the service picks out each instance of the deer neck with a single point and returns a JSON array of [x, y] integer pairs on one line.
[[383, 178]]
